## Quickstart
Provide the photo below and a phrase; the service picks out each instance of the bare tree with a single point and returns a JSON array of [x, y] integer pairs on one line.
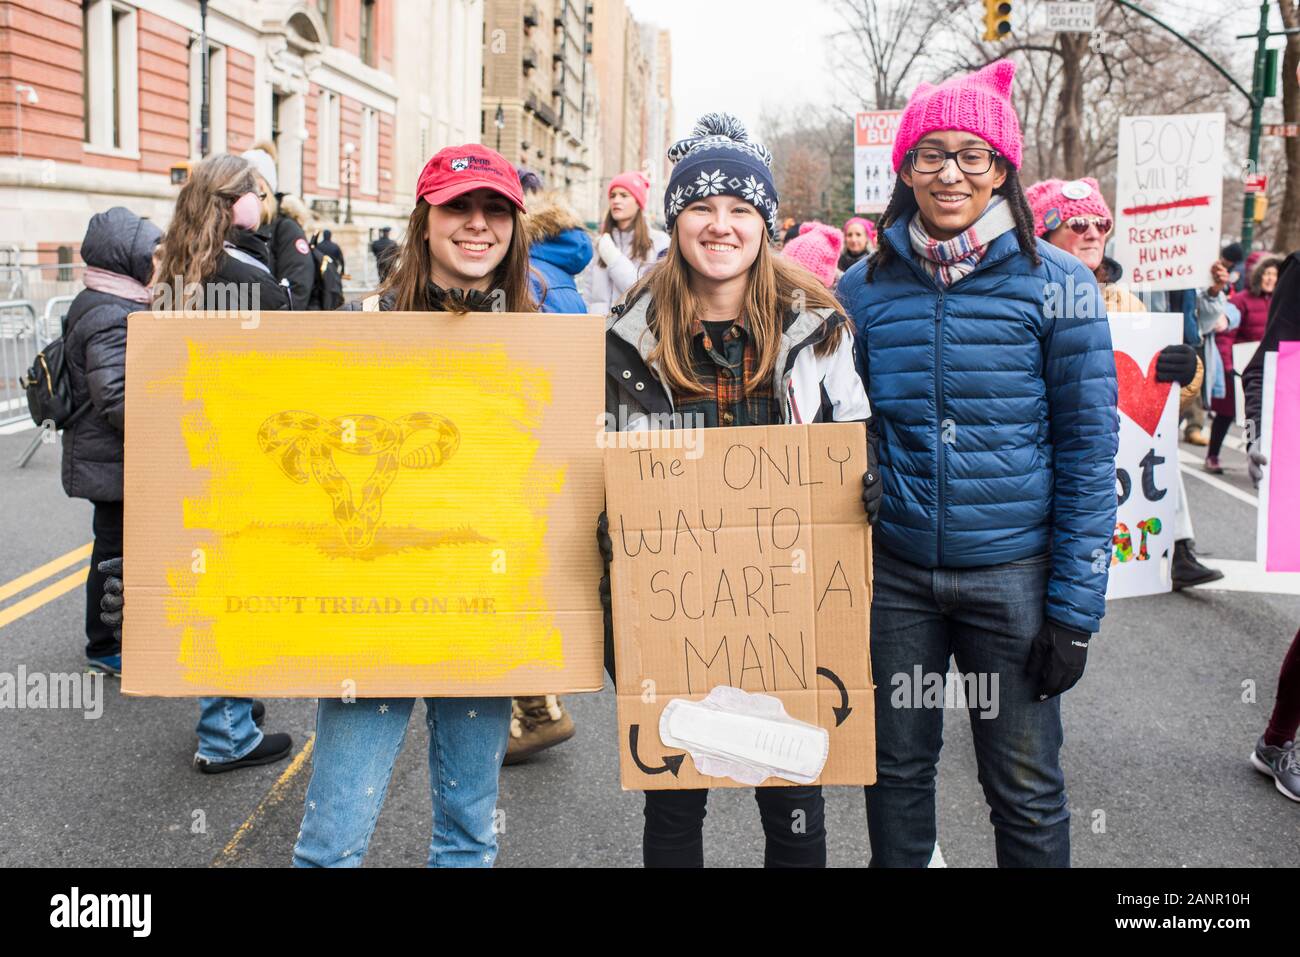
[[883, 44]]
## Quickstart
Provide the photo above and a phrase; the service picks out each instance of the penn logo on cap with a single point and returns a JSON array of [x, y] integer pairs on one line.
[[460, 164]]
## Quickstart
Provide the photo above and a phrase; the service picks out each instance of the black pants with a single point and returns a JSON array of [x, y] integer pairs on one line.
[[107, 524], [1218, 432], [794, 821]]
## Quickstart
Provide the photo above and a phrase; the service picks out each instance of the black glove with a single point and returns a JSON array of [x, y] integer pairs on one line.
[[110, 603], [603, 541], [1057, 658], [606, 547], [872, 489], [1176, 364]]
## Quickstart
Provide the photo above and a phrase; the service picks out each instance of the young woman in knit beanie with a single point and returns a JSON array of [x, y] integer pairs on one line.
[[627, 246], [725, 333], [997, 428]]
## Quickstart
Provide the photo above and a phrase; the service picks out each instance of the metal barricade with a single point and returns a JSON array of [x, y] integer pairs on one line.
[[19, 343], [47, 281]]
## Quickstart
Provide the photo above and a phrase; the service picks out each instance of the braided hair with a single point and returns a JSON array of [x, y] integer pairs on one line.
[[902, 207]]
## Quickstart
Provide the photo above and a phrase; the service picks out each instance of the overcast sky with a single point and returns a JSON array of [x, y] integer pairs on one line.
[[743, 55]]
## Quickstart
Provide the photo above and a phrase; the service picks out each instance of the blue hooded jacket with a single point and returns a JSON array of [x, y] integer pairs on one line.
[[559, 249], [996, 417]]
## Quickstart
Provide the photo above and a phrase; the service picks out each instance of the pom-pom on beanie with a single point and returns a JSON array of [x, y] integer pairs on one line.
[[634, 182], [978, 103], [817, 249], [1054, 201], [719, 159]]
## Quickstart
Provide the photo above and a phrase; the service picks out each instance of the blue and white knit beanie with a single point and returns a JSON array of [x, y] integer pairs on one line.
[[719, 159]]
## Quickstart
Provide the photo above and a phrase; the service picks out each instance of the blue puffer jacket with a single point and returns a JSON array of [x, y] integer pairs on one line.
[[559, 248], [997, 423]]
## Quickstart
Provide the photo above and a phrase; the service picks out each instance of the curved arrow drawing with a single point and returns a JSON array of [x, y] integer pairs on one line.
[[672, 762], [843, 711]]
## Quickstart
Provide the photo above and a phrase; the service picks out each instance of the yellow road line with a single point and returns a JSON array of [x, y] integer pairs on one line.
[[273, 797], [46, 594], [9, 589]]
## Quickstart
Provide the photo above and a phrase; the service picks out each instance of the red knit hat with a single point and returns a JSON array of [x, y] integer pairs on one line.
[[1054, 201], [458, 170], [978, 103], [634, 182], [817, 249]]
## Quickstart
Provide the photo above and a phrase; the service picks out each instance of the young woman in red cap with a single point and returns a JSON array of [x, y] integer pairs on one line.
[[997, 428], [627, 247], [464, 251]]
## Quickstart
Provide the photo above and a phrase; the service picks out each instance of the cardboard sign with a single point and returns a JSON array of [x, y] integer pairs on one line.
[[741, 588], [1169, 199], [1146, 468], [374, 504], [873, 159], [1278, 546]]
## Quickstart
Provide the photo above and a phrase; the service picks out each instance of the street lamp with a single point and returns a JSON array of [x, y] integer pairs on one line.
[[348, 150], [500, 121], [31, 97]]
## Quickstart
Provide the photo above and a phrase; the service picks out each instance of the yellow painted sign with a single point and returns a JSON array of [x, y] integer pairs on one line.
[[367, 504]]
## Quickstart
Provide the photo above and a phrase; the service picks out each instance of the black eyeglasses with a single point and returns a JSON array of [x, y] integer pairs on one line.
[[973, 161]]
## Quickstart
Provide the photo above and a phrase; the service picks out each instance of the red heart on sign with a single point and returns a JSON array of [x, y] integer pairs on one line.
[[1141, 397]]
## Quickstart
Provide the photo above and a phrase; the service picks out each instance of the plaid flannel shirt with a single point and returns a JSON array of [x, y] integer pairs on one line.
[[724, 368]]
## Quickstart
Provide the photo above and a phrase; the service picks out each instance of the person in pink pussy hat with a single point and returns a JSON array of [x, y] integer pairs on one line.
[[994, 416], [817, 249], [859, 241]]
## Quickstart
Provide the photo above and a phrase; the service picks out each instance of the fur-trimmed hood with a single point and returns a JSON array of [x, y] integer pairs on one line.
[[547, 220]]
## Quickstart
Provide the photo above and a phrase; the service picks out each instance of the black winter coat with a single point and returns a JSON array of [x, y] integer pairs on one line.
[[95, 349], [291, 257], [246, 276]]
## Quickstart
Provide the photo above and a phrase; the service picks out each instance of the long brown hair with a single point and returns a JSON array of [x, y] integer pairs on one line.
[[409, 281], [192, 248], [775, 287], [642, 247]]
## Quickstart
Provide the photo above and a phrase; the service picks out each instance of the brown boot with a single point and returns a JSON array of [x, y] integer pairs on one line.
[[1194, 435], [536, 724]]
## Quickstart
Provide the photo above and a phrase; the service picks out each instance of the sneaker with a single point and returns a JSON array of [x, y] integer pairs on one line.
[[259, 713], [1281, 764], [535, 725], [1195, 436], [274, 747], [1212, 465], [110, 665], [1187, 571]]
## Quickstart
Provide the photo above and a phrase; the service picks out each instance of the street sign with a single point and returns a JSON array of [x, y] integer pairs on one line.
[[1257, 183], [1072, 17], [1281, 129]]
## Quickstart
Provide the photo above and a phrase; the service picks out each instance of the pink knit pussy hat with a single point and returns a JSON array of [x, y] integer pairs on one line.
[[817, 249], [634, 182], [978, 103], [1054, 201]]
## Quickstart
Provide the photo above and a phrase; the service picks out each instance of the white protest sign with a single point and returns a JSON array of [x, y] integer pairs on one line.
[[873, 159], [1169, 199], [1146, 468]]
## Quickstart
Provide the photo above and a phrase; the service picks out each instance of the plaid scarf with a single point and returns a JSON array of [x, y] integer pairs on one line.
[[952, 259]]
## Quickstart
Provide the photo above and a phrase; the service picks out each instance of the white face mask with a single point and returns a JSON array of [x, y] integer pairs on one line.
[[247, 212]]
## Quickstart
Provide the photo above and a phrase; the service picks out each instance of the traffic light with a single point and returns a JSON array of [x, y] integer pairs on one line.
[[997, 20]]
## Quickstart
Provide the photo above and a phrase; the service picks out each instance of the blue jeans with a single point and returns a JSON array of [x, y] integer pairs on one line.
[[356, 747], [226, 729], [986, 618]]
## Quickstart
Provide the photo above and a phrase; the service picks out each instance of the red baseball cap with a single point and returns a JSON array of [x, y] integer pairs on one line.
[[458, 170]]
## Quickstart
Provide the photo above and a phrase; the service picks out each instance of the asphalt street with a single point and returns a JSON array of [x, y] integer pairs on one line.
[[1157, 737]]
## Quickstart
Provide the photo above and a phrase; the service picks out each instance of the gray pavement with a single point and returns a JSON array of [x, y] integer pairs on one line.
[[1157, 736]]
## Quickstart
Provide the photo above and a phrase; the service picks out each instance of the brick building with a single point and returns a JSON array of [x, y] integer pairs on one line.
[[99, 101], [538, 98]]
